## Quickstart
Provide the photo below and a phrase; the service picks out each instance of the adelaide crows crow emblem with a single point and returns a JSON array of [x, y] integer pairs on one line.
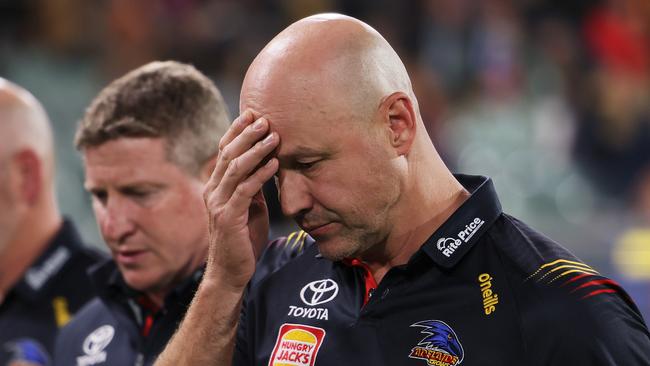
[[441, 344]]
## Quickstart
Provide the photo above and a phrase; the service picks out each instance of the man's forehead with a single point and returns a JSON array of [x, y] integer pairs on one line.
[[124, 159], [291, 93], [129, 176], [306, 126], [118, 150], [115, 173]]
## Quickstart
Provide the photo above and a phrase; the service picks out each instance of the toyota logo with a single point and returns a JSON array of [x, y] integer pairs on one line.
[[319, 292]]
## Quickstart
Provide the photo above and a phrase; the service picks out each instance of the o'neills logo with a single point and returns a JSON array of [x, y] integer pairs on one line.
[[297, 345], [449, 245], [490, 298]]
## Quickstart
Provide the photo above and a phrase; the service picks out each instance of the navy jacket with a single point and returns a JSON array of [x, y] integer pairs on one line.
[[52, 289], [484, 289]]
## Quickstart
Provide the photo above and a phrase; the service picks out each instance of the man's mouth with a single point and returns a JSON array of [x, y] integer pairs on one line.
[[129, 256], [318, 229]]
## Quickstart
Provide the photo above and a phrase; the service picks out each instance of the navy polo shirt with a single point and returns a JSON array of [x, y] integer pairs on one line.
[[484, 289], [52, 289], [117, 328]]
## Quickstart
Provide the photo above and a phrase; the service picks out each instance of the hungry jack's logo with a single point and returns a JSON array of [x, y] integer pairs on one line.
[[297, 345], [441, 346]]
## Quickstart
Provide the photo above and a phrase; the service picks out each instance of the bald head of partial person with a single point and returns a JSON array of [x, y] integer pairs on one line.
[[352, 142], [26, 163]]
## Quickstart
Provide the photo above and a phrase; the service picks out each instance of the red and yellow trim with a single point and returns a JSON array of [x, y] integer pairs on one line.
[[581, 278], [566, 267]]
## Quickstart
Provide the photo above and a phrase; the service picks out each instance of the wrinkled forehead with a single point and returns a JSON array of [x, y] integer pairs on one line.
[[294, 103], [306, 103], [297, 90], [313, 121], [291, 73], [303, 129]]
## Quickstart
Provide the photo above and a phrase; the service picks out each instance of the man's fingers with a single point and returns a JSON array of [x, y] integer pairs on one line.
[[241, 167], [246, 190], [242, 142], [237, 126]]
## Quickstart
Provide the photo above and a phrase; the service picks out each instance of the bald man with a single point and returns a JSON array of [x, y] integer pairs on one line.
[[412, 265], [42, 260]]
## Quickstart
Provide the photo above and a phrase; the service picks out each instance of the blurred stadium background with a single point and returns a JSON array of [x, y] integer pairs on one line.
[[549, 98]]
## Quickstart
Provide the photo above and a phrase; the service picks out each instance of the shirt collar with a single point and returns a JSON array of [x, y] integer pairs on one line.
[[467, 224], [39, 277], [110, 284]]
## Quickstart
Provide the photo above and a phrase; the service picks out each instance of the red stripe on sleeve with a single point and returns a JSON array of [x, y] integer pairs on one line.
[[583, 275], [596, 283], [598, 292]]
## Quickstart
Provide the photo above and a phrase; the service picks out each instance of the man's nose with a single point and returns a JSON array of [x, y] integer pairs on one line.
[[295, 197], [117, 225]]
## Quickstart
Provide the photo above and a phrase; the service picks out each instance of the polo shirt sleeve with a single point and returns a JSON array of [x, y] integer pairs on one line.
[[604, 329]]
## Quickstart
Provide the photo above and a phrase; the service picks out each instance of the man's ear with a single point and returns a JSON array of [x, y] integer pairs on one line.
[[398, 112], [28, 170]]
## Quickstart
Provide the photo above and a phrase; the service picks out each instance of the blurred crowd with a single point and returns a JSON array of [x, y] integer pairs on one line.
[[549, 98]]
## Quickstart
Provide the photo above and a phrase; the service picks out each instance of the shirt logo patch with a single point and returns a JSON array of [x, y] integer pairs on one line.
[[441, 346], [95, 344], [319, 292], [449, 245], [297, 345]]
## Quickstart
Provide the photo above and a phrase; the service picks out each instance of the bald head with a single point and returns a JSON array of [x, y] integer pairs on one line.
[[23, 123], [329, 56], [29, 215]]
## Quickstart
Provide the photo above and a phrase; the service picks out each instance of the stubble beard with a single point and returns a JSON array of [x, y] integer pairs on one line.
[[348, 246]]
